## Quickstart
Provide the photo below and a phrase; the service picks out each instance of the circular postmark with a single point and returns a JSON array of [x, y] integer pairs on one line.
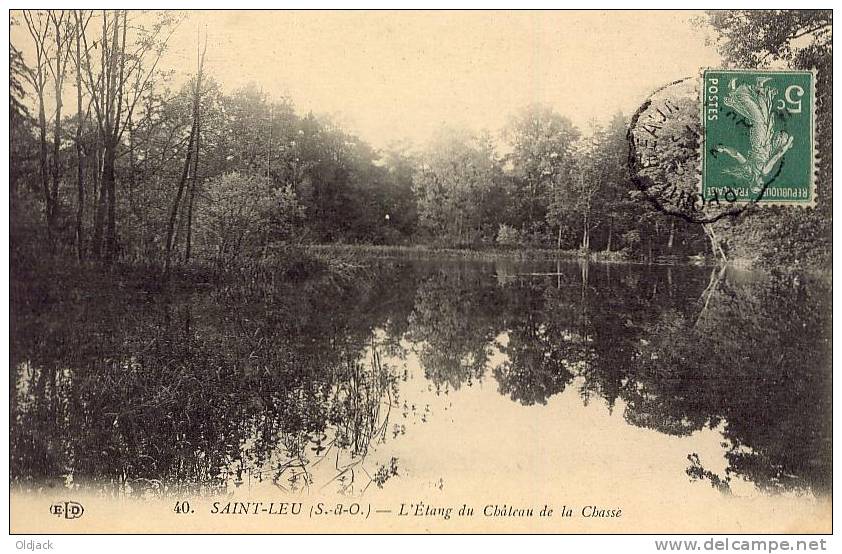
[[665, 141]]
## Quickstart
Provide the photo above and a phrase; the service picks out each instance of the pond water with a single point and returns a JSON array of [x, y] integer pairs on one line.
[[664, 390]]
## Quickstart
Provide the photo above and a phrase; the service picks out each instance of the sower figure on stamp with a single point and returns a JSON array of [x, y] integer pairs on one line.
[[767, 147]]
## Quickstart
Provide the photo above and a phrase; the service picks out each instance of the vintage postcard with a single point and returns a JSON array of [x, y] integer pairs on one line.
[[560, 272]]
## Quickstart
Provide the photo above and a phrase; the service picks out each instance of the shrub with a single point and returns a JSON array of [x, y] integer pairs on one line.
[[508, 236]]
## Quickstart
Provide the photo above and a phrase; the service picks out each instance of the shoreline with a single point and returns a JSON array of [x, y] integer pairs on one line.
[[490, 254], [427, 252]]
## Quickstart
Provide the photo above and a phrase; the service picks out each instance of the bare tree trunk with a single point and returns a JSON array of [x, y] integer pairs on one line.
[[180, 192], [610, 233], [586, 239], [132, 183], [531, 202], [113, 138], [671, 239], [38, 29], [107, 193], [52, 214], [80, 192], [58, 80], [42, 128], [586, 232], [106, 162], [80, 183], [99, 208], [189, 240]]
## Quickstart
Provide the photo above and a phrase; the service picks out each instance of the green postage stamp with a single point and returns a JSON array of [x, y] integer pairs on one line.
[[758, 140]]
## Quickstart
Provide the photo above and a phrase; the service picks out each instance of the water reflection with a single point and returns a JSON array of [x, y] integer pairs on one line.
[[303, 386]]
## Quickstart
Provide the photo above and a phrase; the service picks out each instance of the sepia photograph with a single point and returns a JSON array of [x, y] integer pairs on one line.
[[420, 272]]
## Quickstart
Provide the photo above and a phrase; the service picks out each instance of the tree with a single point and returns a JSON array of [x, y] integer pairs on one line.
[[18, 74], [118, 82], [756, 38], [47, 62], [402, 209], [81, 20], [62, 34], [233, 218], [586, 185], [19, 116], [579, 188], [192, 151], [541, 141], [456, 175], [615, 205]]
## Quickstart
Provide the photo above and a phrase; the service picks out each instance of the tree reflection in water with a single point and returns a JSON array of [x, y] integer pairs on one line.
[[211, 390]]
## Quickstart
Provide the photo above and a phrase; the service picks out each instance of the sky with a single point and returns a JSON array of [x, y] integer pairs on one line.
[[393, 76]]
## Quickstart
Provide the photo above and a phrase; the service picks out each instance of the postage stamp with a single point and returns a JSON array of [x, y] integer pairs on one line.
[[758, 129]]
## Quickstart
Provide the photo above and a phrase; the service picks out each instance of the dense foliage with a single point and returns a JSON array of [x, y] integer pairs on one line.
[[138, 172]]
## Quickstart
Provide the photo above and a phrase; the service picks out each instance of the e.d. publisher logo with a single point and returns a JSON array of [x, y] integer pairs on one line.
[[67, 510]]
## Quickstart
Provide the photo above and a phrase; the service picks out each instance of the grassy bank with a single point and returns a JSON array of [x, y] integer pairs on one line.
[[53, 275], [422, 252]]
